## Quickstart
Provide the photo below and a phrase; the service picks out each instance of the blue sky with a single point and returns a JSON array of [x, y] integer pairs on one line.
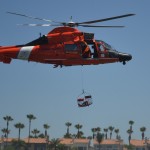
[[120, 93]]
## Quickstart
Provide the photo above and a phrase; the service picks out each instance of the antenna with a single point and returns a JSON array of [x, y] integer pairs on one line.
[[40, 34], [70, 18]]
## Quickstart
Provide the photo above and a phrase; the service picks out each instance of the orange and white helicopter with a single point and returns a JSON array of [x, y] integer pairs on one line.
[[65, 45]]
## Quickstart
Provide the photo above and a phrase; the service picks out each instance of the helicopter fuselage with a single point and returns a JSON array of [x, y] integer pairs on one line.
[[64, 46]]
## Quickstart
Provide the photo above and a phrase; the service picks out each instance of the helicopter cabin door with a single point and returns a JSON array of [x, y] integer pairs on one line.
[[71, 49]]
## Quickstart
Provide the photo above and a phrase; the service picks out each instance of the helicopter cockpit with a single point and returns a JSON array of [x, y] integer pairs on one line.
[[107, 46], [112, 53], [103, 46], [99, 46]]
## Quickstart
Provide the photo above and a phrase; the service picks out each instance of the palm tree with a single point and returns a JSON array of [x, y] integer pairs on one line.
[[41, 136], [111, 130], [30, 117], [35, 132], [98, 129], [129, 131], [54, 143], [62, 147], [131, 122], [93, 131], [19, 126], [5, 131], [117, 131], [7, 119], [68, 124], [143, 129], [78, 127], [129, 147], [46, 127], [19, 144], [81, 134], [105, 130], [99, 138]]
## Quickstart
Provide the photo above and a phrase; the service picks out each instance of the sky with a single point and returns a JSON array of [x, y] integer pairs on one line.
[[120, 92]]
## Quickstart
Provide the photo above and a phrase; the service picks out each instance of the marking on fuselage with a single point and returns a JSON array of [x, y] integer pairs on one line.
[[25, 52]]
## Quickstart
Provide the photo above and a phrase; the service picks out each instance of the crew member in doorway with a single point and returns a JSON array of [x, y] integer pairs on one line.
[[86, 52], [95, 54]]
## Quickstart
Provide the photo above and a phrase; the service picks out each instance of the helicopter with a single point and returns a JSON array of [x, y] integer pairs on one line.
[[66, 45]]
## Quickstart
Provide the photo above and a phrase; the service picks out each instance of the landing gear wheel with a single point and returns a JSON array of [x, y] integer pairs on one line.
[[124, 62]]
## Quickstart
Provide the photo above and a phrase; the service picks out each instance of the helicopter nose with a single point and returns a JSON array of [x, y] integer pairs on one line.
[[123, 57]]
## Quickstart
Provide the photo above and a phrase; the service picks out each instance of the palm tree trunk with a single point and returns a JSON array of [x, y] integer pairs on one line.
[[110, 135], [19, 135], [7, 129], [143, 136], [67, 130], [29, 131], [78, 133], [129, 139], [7, 133]]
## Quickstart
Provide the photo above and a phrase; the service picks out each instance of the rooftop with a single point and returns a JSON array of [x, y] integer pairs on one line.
[[139, 143], [134, 142]]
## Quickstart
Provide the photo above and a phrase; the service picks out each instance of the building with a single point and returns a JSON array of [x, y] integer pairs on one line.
[[87, 144], [36, 143], [140, 144], [79, 144], [33, 143]]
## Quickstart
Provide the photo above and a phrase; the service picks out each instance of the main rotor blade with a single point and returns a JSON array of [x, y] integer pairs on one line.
[[105, 19], [36, 25], [101, 26], [13, 13]]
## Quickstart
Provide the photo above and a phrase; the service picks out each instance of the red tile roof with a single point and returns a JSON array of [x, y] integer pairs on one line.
[[7, 140], [111, 142], [32, 140], [35, 140], [86, 141], [139, 143]]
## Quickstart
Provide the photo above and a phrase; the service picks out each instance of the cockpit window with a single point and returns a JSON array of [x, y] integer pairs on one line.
[[101, 47], [107, 46]]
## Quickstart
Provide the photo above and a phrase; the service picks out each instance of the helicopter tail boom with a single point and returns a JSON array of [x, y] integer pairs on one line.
[[7, 53]]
